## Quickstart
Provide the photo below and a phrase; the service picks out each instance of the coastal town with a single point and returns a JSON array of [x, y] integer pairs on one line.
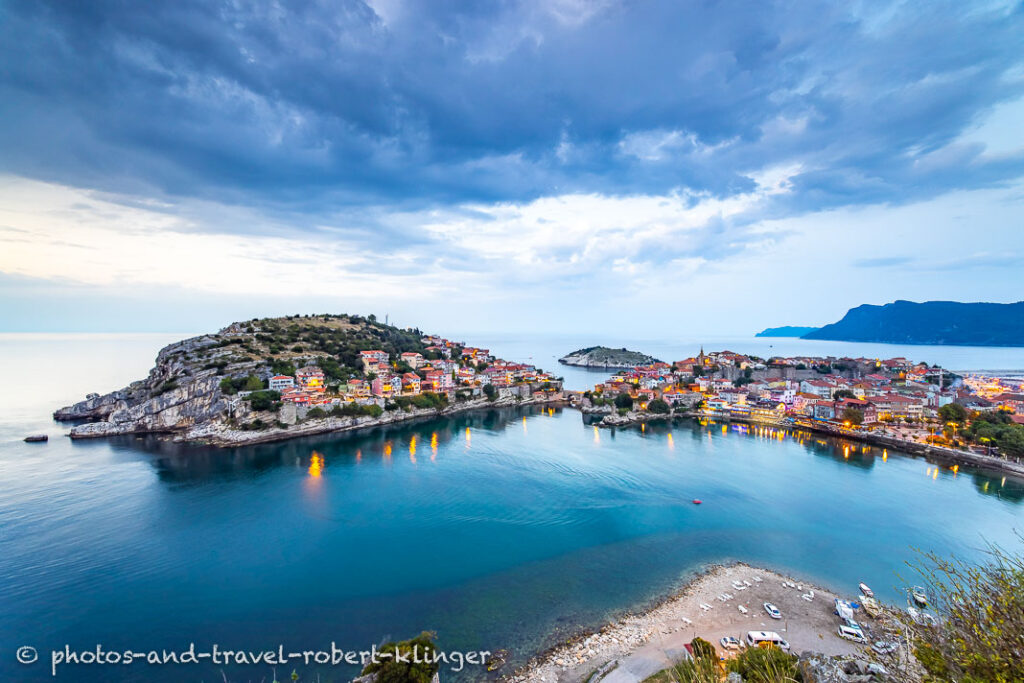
[[447, 369], [896, 397]]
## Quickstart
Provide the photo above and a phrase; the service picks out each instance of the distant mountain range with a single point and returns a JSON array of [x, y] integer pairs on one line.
[[785, 331], [930, 322]]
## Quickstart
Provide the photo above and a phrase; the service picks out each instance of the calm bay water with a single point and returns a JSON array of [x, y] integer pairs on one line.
[[498, 529]]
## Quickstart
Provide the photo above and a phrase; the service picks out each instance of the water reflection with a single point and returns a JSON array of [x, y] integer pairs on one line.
[[189, 464]]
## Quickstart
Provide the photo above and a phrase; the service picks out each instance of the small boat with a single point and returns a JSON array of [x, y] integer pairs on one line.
[[36, 438], [772, 610], [705, 606], [742, 609], [697, 501], [844, 609], [866, 591], [919, 595]]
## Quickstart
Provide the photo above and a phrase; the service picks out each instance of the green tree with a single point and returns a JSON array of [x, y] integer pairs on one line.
[[253, 383], [412, 661], [854, 416], [624, 400], [490, 392], [657, 406], [953, 412], [844, 393], [315, 413]]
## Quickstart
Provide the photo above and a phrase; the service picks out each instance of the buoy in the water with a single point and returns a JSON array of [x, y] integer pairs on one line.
[[697, 501]]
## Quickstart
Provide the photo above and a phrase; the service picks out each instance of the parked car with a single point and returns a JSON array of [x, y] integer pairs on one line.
[[730, 643]]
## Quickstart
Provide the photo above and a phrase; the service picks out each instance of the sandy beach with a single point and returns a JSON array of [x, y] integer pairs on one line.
[[642, 644]]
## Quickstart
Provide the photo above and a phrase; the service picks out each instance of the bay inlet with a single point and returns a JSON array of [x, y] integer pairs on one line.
[[499, 529]]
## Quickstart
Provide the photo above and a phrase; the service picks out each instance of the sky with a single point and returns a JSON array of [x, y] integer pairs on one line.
[[645, 169]]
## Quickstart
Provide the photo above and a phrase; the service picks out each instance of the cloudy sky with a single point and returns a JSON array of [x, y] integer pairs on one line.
[[561, 165]]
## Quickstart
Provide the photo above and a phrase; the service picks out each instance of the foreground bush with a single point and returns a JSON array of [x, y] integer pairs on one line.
[[420, 648], [980, 609], [765, 665]]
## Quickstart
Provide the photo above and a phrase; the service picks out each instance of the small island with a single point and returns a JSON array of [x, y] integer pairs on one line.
[[786, 331], [606, 358]]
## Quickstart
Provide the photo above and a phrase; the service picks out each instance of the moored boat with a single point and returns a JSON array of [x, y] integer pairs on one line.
[[866, 591]]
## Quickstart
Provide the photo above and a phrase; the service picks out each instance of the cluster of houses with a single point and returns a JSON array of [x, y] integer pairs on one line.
[[818, 388], [453, 366]]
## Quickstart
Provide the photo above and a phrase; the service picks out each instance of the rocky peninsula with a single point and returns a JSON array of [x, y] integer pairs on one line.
[[606, 358], [279, 378]]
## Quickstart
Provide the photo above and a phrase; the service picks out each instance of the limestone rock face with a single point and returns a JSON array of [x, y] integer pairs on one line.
[[178, 393]]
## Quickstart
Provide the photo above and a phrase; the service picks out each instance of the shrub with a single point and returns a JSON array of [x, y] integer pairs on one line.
[[412, 661], [980, 630], [490, 392], [702, 649], [657, 406], [315, 413], [624, 401], [765, 665], [264, 400]]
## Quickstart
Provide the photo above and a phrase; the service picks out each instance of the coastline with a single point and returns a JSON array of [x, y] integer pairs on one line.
[[949, 456], [219, 435], [638, 644]]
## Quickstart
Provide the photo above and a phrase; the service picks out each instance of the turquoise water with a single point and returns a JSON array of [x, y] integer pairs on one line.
[[522, 529]]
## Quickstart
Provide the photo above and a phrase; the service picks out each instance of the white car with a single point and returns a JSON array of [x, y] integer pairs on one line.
[[772, 610], [854, 634], [730, 643]]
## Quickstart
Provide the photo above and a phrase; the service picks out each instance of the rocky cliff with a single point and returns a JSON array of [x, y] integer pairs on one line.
[[181, 391]]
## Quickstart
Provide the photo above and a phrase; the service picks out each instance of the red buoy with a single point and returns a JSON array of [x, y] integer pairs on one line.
[[697, 501]]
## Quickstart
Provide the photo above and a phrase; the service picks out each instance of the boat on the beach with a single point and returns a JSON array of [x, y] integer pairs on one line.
[[36, 438], [852, 633], [866, 591], [919, 595], [844, 609], [772, 610], [922, 618]]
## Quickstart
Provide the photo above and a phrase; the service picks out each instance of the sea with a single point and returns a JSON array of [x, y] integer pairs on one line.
[[506, 529]]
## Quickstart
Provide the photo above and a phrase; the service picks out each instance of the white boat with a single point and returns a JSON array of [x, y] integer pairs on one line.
[[866, 591], [742, 609], [919, 595], [844, 609], [772, 610], [705, 606]]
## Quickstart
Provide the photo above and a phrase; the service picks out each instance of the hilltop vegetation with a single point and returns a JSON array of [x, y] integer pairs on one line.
[[332, 341]]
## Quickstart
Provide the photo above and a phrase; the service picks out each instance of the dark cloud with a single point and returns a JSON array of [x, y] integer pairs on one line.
[[323, 106]]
